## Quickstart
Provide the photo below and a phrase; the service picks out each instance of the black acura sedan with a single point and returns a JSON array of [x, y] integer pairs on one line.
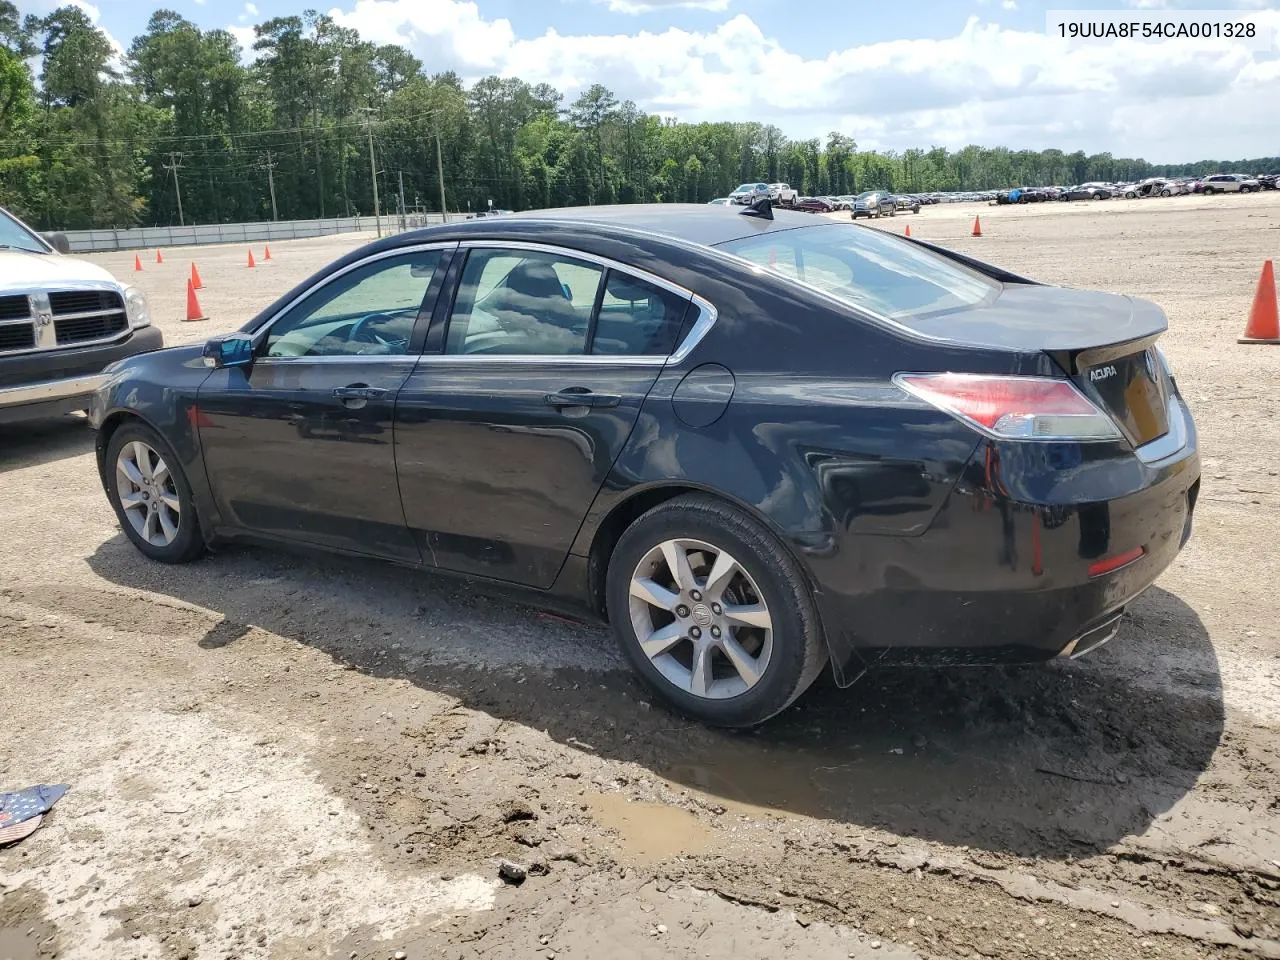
[[755, 443]]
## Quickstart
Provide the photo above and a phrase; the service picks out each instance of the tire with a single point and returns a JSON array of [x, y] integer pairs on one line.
[[893, 211], [765, 575], [1209, 191], [1166, 193], [152, 536]]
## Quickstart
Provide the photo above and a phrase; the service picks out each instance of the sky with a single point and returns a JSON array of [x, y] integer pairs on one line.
[[912, 73]]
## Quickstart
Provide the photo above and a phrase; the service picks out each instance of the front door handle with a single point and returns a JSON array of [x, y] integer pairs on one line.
[[358, 391], [581, 397]]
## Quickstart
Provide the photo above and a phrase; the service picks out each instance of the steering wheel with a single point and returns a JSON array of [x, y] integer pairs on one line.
[[362, 332]]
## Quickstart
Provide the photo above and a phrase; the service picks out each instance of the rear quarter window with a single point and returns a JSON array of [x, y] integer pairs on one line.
[[868, 269]]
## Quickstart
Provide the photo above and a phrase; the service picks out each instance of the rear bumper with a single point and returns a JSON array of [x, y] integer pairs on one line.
[[999, 579], [58, 381]]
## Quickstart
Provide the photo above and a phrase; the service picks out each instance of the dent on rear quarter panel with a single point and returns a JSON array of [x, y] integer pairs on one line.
[[819, 460]]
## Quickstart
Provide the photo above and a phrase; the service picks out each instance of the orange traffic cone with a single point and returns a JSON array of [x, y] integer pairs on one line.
[[1263, 325], [137, 263], [159, 257], [251, 263], [977, 226], [193, 305], [266, 252], [907, 231], [196, 282]]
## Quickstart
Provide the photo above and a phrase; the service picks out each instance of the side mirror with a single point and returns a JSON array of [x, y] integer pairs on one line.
[[233, 350], [59, 241]]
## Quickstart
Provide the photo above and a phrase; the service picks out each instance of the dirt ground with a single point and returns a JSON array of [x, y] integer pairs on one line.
[[272, 756]]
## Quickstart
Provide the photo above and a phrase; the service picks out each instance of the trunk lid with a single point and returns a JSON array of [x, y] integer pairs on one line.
[[1105, 342]]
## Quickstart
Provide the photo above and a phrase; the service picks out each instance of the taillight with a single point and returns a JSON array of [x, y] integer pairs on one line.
[[1013, 408]]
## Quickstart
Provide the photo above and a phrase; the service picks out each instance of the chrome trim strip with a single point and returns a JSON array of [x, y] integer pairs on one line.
[[577, 359], [260, 334], [706, 317], [114, 338], [408, 358], [51, 390], [573, 254], [17, 320], [64, 286], [1173, 442], [87, 314]]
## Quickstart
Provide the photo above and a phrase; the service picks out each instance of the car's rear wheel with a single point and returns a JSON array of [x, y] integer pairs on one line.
[[150, 494], [713, 613]]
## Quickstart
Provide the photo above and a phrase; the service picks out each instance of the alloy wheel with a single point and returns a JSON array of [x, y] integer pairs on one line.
[[148, 494], [700, 619]]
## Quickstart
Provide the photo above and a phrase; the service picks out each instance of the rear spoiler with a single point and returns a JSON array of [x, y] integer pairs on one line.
[[986, 269]]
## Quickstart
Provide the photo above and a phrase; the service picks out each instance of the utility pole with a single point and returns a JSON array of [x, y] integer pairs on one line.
[[402, 211], [444, 211], [270, 164], [373, 169], [173, 166]]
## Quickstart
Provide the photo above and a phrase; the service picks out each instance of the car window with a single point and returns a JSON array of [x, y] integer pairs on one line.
[[637, 318], [867, 268], [523, 303], [367, 312]]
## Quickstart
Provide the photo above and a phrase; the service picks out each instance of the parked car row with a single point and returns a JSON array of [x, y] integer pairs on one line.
[[1150, 187]]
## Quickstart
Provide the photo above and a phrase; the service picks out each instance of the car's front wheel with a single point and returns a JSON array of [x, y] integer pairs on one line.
[[713, 613], [151, 496]]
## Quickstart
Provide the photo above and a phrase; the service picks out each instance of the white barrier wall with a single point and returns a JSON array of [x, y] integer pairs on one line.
[[89, 241]]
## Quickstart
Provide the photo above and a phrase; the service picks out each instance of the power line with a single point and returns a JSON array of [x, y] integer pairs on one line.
[[222, 134]]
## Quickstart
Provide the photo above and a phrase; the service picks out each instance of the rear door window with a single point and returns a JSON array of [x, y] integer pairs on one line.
[[523, 303]]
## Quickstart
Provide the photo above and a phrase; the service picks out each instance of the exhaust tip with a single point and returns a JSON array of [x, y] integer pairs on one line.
[[1092, 638]]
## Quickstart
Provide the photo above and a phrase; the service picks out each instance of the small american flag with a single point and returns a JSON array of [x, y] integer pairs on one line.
[[28, 803], [20, 831]]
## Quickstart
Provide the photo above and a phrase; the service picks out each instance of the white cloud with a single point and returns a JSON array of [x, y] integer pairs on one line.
[[649, 6], [987, 84], [1009, 4], [245, 37], [250, 10], [1202, 5]]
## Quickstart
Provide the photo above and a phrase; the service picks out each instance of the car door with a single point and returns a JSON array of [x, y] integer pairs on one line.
[[298, 445], [505, 435]]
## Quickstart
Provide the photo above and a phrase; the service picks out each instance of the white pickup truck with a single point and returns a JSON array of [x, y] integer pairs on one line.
[[62, 320]]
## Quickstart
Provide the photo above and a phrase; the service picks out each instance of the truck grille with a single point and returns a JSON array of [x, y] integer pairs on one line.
[[80, 316], [17, 336], [14, 308]]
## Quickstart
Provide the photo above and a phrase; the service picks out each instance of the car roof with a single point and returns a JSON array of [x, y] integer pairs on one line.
[[690, 222]]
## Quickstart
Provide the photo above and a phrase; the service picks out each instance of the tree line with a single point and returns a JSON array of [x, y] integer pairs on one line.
[[180, 129]]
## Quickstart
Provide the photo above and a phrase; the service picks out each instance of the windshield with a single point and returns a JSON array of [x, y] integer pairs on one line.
[[14, 234], [745, 188], [866, 196], [868, 269]]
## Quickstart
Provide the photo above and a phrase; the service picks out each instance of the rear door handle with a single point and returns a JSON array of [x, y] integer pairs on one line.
[[581, 397], [358, 391]]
